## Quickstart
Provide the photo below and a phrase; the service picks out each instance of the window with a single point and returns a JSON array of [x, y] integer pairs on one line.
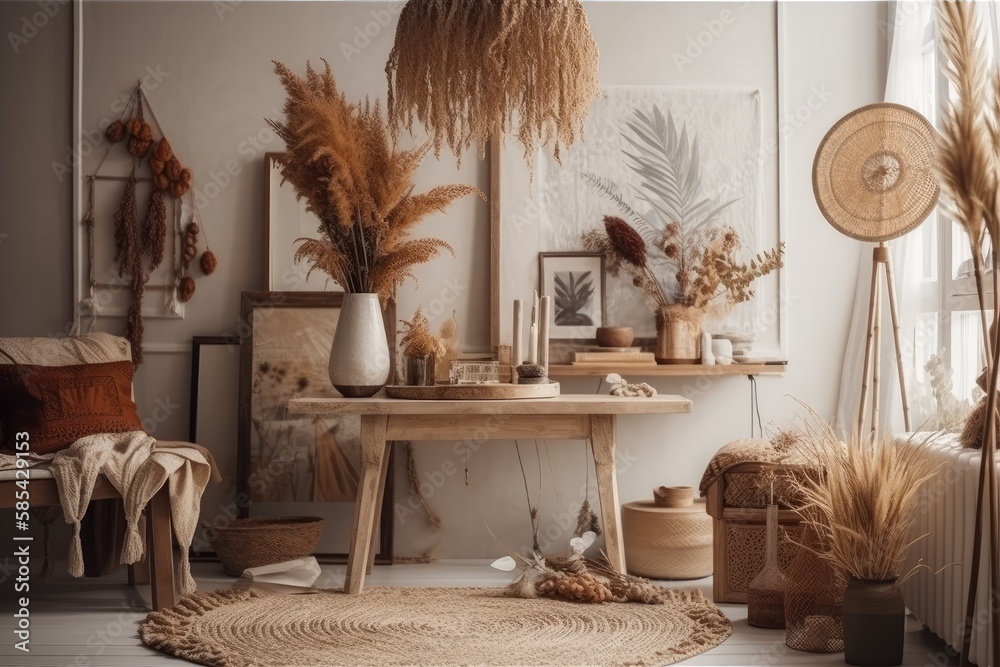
[[949, 318]]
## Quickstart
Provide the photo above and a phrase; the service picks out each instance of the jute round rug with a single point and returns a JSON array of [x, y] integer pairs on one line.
[[443, 627]]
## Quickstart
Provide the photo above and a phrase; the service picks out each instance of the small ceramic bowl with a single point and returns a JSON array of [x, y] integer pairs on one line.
[[615, 336]]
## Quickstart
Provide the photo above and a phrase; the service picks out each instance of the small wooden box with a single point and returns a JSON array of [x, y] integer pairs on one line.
[[739, 532]]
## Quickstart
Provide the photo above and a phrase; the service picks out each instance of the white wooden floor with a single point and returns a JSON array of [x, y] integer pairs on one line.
[[92, 622]]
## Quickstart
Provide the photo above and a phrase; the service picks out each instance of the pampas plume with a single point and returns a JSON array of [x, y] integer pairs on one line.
[[862, 502], [341, 161]]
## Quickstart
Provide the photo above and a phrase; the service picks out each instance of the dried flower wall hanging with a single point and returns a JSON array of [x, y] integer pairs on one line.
[[140, 245]]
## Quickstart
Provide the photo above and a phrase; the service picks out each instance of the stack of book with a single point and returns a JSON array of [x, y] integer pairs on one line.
[[624, 357]]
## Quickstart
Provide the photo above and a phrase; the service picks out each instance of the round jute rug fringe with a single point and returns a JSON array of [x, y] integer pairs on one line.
[[443, 627]]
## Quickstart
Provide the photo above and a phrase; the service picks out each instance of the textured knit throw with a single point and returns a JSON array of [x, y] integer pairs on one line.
[[137, 468]]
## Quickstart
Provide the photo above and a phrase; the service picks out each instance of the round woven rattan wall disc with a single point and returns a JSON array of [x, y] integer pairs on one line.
[[873, 175]]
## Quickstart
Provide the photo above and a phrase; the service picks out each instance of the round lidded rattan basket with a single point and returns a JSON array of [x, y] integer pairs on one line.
[[667, 542], [246, 543]]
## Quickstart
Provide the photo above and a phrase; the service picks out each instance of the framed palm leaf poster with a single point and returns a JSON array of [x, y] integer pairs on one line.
[[575, 281]]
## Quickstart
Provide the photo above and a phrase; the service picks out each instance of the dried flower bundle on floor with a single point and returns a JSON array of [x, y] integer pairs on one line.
[[469, 70], [341, 161], [676, 253], [580, 579]]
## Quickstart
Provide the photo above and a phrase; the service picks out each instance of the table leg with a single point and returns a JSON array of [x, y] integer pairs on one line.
[[378, 507], [373, 461], [602, 437]]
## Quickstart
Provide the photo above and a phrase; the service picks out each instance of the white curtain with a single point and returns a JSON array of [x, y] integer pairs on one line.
[[907, 23]]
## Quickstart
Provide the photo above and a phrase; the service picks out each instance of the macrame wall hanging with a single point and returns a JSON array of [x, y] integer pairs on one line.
[[140, 244]]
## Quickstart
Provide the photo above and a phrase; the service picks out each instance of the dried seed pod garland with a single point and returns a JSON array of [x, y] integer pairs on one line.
[[185, 289], [163, 150], [115, 132], [178, 189], [190, 250]]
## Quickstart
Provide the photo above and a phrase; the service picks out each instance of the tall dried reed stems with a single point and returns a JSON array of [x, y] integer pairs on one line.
[[472, 69], [340, 159], [862, 501], [968, 166]]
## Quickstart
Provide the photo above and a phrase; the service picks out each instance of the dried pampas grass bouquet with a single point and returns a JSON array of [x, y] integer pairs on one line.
[[862, 503]]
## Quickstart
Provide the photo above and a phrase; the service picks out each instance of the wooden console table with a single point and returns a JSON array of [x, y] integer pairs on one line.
[[570, 416]]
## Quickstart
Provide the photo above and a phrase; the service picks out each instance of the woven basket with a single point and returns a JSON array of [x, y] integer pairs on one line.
[[667, 542], [246, 543]]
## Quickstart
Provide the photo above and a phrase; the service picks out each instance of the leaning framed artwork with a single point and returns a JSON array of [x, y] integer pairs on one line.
[[286, 220], [215, 380], [575, 281], [299, 464], [674, 152]]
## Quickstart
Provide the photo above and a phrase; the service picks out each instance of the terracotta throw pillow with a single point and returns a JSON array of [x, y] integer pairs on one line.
[[58, 405]]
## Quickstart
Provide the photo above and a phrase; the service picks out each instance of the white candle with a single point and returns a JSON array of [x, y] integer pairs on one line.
[[533, 332], [543, 332], [516, 353], [533, 340]]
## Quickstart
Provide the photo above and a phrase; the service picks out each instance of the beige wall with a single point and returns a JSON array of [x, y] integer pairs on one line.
[[216, 86]]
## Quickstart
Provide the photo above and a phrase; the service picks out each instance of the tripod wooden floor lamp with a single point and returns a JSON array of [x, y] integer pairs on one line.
[[873, 180]]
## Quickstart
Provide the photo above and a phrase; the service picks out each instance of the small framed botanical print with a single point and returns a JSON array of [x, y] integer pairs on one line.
[[575, 281]]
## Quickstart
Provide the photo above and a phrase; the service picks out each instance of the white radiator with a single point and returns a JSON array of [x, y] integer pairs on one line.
[[947, 515]]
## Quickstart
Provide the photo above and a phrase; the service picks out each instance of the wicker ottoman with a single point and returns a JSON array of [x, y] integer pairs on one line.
[[737, 496]]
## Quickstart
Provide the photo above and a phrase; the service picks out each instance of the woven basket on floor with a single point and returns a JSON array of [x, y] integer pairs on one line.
[[667, 542], [246, 543]]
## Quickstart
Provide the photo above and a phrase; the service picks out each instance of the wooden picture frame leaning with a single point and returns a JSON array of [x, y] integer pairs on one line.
[[285, 221], [287, 464], [215, 374]]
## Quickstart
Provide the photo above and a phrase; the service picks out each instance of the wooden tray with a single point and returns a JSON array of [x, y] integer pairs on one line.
[[473, 392]]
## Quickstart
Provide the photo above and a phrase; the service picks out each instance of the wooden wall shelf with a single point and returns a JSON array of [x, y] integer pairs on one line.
[[667, 370]]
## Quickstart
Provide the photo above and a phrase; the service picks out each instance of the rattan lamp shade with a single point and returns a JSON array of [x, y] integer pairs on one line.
[[873, 174]]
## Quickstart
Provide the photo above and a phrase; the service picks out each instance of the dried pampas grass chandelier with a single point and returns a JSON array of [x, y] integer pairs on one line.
[[472, 69]]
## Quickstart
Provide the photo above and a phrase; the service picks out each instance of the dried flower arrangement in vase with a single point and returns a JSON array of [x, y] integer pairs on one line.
[[686, 263], [861, 508], [420, 349], [340, 159]]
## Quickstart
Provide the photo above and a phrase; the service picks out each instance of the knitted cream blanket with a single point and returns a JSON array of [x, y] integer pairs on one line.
[[137, 466]]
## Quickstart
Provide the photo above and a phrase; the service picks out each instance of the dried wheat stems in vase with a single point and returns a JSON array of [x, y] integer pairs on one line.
[[968, 171], [472, 69]]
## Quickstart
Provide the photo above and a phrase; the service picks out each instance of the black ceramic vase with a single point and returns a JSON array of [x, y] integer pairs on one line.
[[874, 622]]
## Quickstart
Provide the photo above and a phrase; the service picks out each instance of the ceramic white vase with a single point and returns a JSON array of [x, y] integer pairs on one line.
[[359, 358]]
